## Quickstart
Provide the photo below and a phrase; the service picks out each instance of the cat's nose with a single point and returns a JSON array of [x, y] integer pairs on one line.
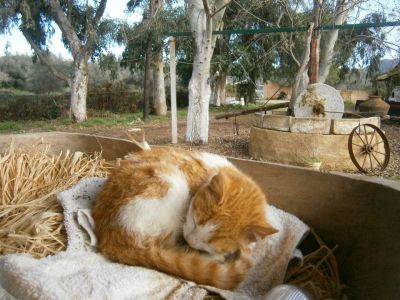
[[191, 241]]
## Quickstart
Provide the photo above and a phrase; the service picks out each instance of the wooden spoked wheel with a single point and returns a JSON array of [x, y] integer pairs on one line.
[[369, 148]]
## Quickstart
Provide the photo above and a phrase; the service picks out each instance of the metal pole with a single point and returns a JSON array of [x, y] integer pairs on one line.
[[174, 119], [292, 29]]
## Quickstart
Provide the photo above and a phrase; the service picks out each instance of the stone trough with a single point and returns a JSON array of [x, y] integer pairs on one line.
[[290, 140]]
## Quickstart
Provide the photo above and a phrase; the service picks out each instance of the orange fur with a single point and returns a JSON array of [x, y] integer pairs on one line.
[[234, 202], [223, 196]]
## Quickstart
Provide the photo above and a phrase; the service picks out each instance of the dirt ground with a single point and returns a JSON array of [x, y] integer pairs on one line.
[[231, 138]]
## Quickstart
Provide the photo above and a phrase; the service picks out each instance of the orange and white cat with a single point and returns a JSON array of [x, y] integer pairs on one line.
[[157, 197]]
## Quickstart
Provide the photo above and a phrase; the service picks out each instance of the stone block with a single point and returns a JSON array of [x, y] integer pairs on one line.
[[274, 122], [280, 112], [310, 125], [259, 116], [277, 122], [345, 126]]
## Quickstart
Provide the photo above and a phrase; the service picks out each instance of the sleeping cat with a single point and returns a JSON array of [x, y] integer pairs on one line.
[[156, 197]]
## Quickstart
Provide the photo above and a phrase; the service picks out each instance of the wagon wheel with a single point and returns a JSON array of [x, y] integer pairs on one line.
[[368, 148]]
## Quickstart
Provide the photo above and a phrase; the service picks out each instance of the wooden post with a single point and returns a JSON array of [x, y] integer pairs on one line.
[[314, 60], [174, 119]]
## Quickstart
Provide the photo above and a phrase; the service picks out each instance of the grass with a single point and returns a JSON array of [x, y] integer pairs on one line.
[[66, 123], [311, 160], [8, 126], [107, 121], [396, 177]]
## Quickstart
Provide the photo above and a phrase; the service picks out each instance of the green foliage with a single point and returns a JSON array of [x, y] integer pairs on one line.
[[21, 73], [46, 107], [172, 18], [363, 49], [312, 160], [8, 126], [16, 68]]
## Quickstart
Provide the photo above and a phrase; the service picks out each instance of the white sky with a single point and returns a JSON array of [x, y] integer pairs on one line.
[[117, 9], [18, 43]]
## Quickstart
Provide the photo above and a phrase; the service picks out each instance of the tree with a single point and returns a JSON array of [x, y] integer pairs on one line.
[[205, 16], [145, 41], [331, 12], [81, 28], [249, 58]]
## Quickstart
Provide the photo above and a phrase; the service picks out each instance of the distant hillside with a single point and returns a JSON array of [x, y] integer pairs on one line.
[[387, 65]]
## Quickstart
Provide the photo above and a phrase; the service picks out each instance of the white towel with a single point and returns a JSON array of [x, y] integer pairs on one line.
[[82, 273]]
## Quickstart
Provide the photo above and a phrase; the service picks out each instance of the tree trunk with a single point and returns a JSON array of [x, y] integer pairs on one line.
[[79, 87], [301, 80], [222, 88], [159, 102], [147, 80], [329, 40], [218, 96], [81, 51], [202, 24]]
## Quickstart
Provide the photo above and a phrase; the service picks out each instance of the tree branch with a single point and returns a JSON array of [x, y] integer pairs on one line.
[[219, 9], [44, 59], [100, 11], [301, 79], [251, 14], [91, 28], [65, 26], [207, 9]]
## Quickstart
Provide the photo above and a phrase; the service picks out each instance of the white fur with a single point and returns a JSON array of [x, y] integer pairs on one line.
[[189, 224], [213, 161], [197, 236], [154, 217]]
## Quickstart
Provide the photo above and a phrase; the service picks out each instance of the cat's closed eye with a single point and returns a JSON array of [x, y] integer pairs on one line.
[[232, 255]]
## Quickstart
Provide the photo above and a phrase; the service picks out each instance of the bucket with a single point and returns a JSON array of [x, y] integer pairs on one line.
[[359, 214]]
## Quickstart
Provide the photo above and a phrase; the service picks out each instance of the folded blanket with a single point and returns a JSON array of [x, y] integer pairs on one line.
[[81, 272]]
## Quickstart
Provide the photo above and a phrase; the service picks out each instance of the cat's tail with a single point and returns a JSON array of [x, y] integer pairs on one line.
[[189, 265]]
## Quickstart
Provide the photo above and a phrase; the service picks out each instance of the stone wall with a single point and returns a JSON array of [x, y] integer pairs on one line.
[[292, 148], [354, 95], [271, 88]]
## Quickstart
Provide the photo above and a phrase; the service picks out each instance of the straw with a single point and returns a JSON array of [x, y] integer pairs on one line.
[[31, 220], [319, 274]]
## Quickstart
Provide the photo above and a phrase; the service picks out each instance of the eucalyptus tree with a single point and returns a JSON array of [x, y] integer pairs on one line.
[[84, 33], [205, 16], [248, 57], [145, 46], [319, 12]]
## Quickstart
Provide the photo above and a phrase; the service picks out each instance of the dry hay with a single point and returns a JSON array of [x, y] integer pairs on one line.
[[318, 274], [31, 220]]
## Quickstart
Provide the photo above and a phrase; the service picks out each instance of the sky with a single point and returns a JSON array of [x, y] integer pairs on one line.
[[117, 9], [18, 44]]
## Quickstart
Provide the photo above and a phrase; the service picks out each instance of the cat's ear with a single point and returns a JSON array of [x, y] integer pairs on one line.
[[211, 193], [256, 232], [216, 184]]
